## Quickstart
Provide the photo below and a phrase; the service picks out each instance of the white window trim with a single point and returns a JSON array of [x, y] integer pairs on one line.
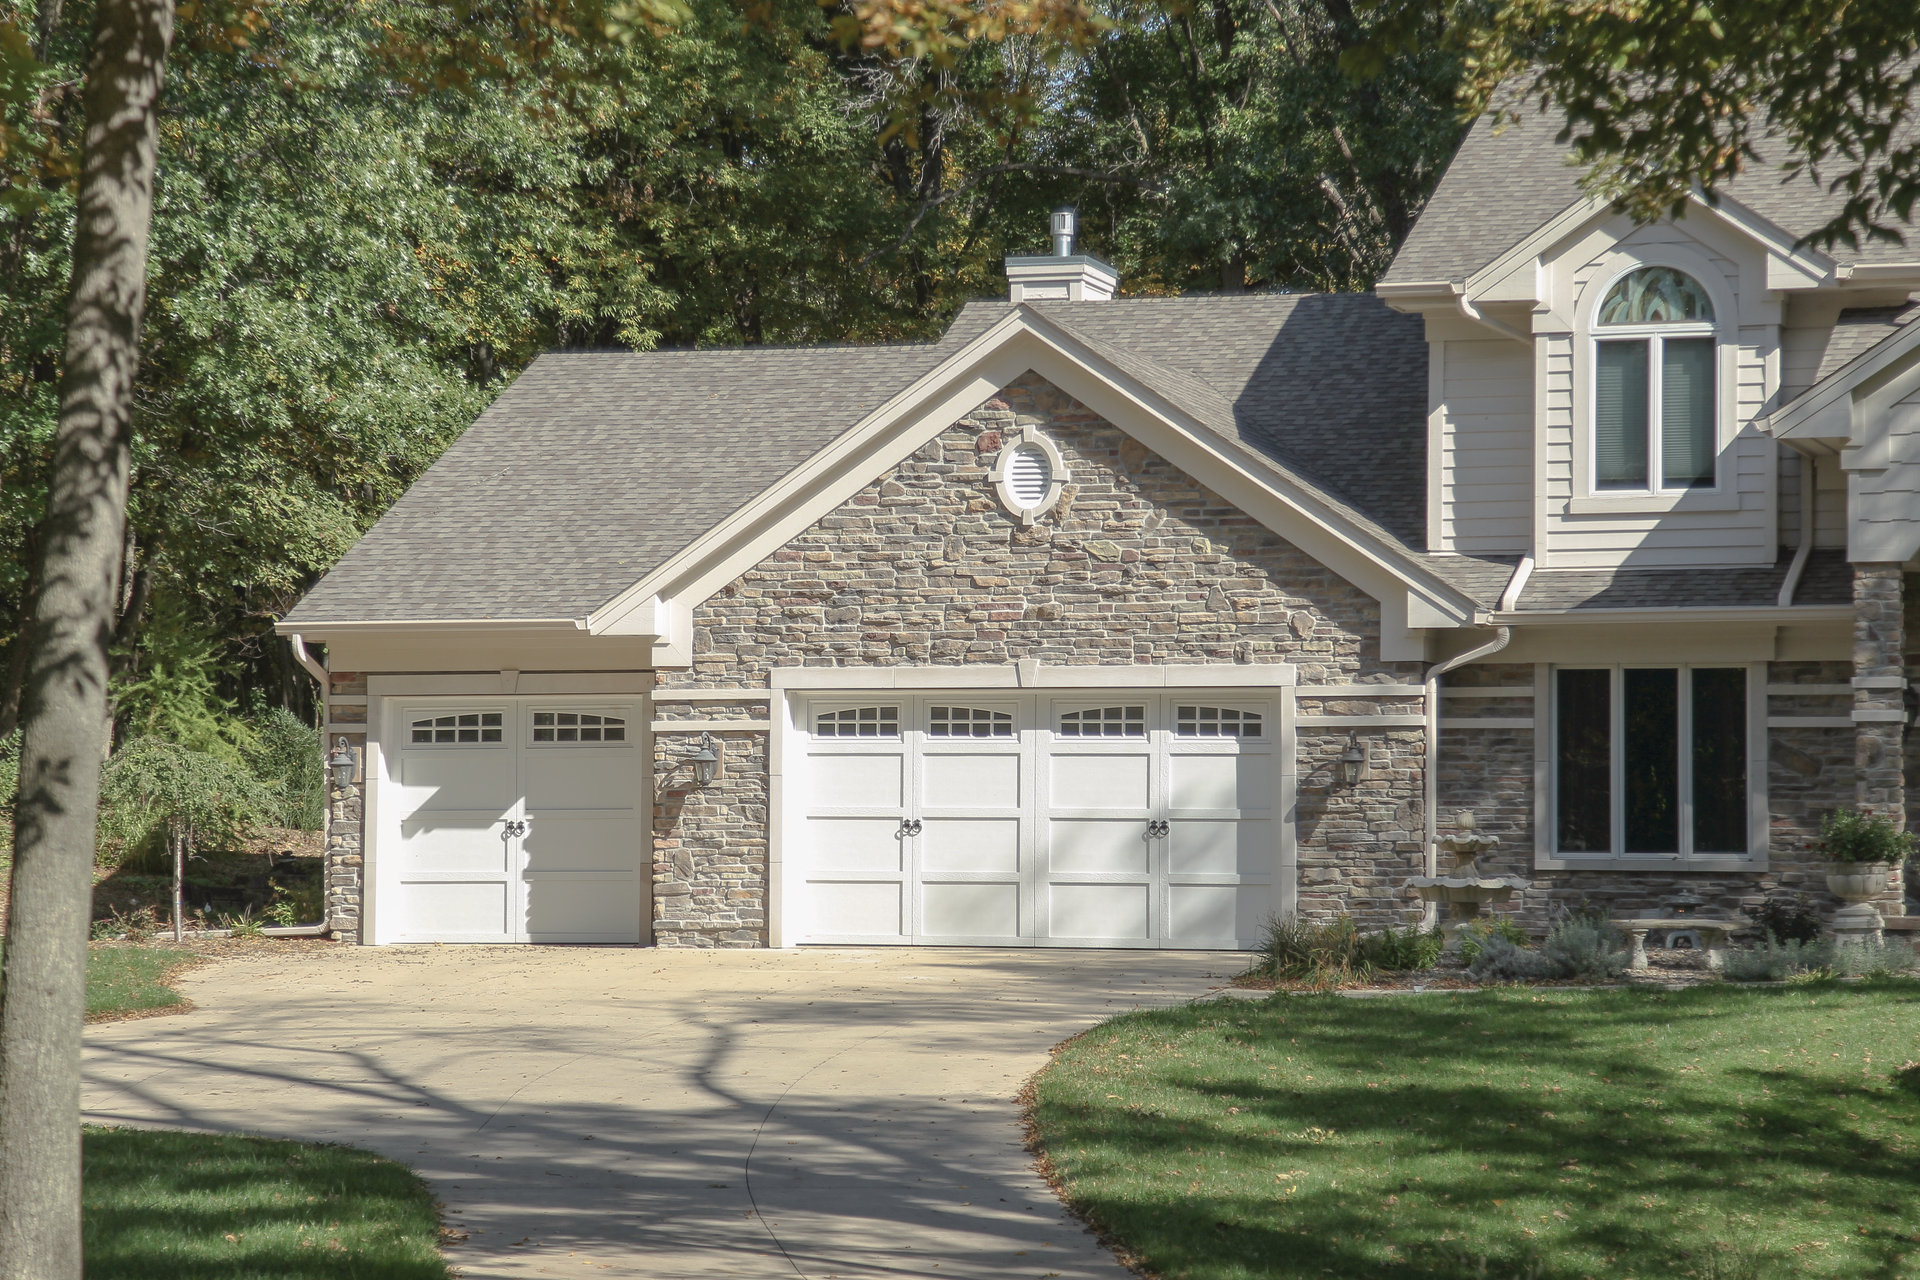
[[1588, 498], [1546, 784], [1029, 437]]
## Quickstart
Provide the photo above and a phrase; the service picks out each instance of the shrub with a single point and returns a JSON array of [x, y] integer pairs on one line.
[[1408, 948], [1498, 961], [1783, 920], [1475, 936], [1850, 836], [1773, 959], [1337, 952], [284, 754], [1871, 959], [1908, 1077], [1586, 949]]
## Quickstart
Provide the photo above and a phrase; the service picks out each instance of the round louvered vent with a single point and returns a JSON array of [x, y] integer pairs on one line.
[[1029, 473]]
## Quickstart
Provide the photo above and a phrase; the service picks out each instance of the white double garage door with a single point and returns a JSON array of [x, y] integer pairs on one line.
[[1036, 819]]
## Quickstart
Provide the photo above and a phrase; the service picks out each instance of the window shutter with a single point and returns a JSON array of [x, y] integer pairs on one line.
[[1686, 413], [1620, 416]]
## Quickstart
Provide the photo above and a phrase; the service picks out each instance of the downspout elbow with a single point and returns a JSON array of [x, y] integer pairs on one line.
[[305, 659]]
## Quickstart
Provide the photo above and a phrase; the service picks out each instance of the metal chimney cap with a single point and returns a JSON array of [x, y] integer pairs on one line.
[[1063, 225]]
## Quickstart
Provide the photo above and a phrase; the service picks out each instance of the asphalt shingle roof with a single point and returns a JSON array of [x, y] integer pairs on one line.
[[1827, 580], [594, 468], [1501, 188]]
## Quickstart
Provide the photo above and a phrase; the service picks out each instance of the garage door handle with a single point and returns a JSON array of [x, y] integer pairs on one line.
[[1157, 829], [511, 829], [908, 827]]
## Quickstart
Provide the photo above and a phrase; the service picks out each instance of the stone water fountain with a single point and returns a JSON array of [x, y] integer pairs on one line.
[[1465, 889]]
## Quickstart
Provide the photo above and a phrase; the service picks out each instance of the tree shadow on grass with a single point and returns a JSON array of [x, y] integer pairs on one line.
[[1487, 1136]]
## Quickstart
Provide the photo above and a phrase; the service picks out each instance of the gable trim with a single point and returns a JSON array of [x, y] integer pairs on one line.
[[1410, 596]]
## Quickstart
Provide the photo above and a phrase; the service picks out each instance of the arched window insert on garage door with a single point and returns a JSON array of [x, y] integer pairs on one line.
[[468, 727], [1104, 722], [572, 726], [858, 722], [1216, 722], [968, 722]]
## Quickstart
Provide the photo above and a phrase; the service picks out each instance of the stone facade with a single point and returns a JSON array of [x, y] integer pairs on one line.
[[1138, 563], [1141, 564], [346, 814]]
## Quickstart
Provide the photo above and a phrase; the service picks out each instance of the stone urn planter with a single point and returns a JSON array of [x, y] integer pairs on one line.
[[1857, 884]]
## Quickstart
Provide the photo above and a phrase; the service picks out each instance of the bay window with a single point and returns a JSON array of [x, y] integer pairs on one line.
[[1651, 761], [1655, 422]]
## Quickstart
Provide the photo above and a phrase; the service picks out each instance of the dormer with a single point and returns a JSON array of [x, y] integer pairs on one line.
[[1596, 389]]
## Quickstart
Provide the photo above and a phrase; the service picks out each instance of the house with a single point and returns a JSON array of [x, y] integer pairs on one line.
[[1110, 621]]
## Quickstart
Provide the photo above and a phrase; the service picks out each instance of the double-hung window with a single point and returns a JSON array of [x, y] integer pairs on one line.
[[1655, 421], [1651, 762]]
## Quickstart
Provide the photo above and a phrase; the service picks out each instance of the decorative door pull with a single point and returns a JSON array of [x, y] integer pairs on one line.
[[1157, 829], [908, 827], [512, 829]]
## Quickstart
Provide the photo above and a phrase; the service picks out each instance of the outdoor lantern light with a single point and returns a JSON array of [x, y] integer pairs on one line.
[[1350, 762], [342, 762], [705, 761]]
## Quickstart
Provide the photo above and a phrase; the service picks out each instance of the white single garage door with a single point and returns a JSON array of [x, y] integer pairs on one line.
[[512, 820], [1036, 820]]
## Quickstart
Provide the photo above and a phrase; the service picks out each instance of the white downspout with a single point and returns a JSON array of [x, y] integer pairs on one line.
[[1432, 789], [1808, 527], [305, 659]]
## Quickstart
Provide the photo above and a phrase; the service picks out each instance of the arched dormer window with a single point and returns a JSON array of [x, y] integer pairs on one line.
[[1654, 395]]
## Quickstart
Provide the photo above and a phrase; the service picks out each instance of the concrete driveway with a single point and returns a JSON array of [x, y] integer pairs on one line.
[[627, 1112]]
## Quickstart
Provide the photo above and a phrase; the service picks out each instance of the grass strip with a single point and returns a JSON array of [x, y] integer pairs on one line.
[[162, 1205], [1717, 1132], [125, 982]]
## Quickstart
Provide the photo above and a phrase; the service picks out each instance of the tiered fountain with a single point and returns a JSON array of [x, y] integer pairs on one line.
[[1465, 889]]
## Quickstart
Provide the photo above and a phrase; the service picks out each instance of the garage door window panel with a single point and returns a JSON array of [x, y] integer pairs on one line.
[[858, 722], [458, 729], [577, 728], [1103, 722]]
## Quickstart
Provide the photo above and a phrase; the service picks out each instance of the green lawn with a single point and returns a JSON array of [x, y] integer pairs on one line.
[[1547, 1135], [162, 1205], [124, 980]]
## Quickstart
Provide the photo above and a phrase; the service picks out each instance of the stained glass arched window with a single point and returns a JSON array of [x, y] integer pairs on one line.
[[1656, 295]]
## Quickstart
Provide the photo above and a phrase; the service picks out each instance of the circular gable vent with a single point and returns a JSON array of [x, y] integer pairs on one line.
[[1029, 473]]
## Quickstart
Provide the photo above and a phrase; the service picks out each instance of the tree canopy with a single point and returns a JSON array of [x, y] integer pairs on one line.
[[369, 216]]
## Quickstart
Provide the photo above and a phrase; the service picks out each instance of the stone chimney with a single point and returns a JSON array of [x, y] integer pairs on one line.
[[1066, 276]]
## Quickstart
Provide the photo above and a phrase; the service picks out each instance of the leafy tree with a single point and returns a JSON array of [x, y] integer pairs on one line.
[[155, 790]]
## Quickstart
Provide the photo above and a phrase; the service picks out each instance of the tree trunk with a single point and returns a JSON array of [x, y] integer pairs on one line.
[[179, 842], [43, 987]]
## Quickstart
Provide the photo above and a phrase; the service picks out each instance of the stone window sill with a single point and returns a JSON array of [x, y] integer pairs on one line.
[[1727, 862]]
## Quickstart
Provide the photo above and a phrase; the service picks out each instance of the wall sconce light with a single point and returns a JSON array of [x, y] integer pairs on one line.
[[705, 761], [342, 762], [1352, 761]]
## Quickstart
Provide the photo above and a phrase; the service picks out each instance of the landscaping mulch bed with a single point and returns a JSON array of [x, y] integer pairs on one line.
[[1678, 968]]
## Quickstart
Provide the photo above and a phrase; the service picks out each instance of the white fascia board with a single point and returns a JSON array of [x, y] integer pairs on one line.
[[321, 630], [1024, 340], [1526, 255], [1509, 277], [1671, 614], [1825, 410]]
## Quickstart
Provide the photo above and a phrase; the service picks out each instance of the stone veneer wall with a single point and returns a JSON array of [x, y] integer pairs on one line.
[[1811, 772], [1138, 563], [346, 814]]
